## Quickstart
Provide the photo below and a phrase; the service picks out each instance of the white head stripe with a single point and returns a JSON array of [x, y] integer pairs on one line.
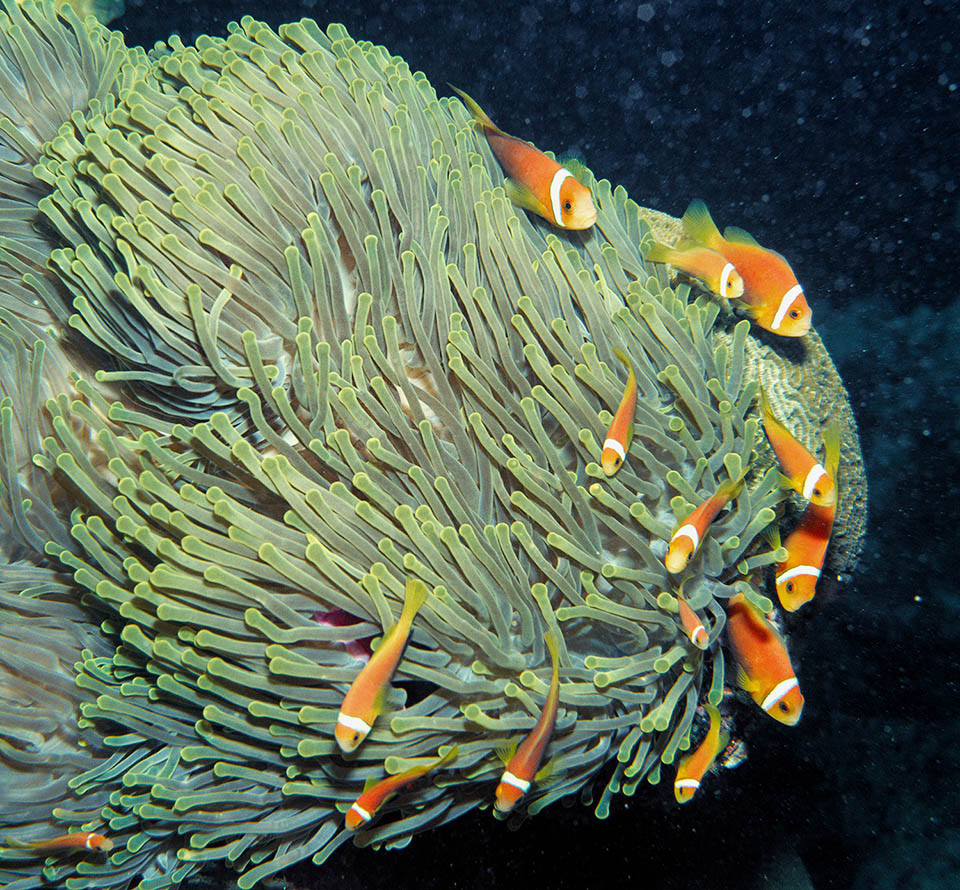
[[361, 812], [558, 179], [354, 723], [88, 843], [614, 445], [687, 783], [813, 477], [725, 278], [785, 304], [698, 631], [798, 570], [778, 692], [688, 531], [511, 779]]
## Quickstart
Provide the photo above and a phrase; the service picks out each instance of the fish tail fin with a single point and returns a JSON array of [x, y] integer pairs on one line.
[[107, 10], [660, 253], [14, 844], [415, 595], [448, 755], [699, 225], [553, 645], [713, 712], [831, 448], [728, 490], [479, 115]]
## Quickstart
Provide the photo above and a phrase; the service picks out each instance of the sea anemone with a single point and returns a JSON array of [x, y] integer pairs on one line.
[[327, 355]]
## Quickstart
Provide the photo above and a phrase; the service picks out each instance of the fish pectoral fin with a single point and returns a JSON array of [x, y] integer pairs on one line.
[[831, 448], [523, 196], [786, 482], [629, 439], [578, 170], [548, 775], [506, 751], [739, 236], [743, 679]]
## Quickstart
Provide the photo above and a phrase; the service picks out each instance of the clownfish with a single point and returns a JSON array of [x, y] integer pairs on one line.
[[763, 663], [801, 471], [620, 435], [770, 288], [523, 765], [536, 182], [806, 545], [692, 624], [364, 700], [78, 840], [366, 806], [695, 765], [710, 268], [686, 539]]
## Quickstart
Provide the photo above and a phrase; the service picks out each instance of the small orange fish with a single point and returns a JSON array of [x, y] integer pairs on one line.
[[801, 472], [770, 288], [536, 182], [692, 624], [763, 663], [366, 806], [523, 765], [620, 435], [807, 544], [78, 840], [686, 539], [695, 765], [364, 700], [710, 268]]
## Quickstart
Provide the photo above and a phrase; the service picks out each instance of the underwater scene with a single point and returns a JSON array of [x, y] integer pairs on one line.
[[479, 445]]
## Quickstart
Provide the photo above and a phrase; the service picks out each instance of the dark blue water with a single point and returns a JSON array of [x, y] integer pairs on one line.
[[830, 131]]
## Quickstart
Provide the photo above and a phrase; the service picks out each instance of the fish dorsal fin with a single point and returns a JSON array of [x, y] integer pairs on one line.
[[578, 169], [699, 226], [739, 236]]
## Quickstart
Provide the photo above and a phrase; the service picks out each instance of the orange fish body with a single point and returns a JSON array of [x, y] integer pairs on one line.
[[364, 700], [620, 435], [523, 765], [536, 182], [708, 266], [763, 663], [78, 840], [806, 545], [801, 471], [692, 624], [368, 804], [770, 288], [686, 539], [694, 766]]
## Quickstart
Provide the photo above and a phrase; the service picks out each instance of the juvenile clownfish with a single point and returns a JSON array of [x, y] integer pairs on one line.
[[695, 765], [364, 700], [710, 268], [770, 288], [806, 545], [65, 843], [620, 435], [801, 471], [692, 624], [366, 806], [523, 765], [763, 664], [536, 182], [686, 539]]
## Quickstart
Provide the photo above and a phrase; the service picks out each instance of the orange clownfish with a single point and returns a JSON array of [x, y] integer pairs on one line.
[[366, 806], [536, 182], [65, 843], [763, 663], [806, 545], [710, 268], [686, 539], [770, 288], [692, 624], [801, 472], [523, 765], [620, 435], [364, 700], [695, 765]]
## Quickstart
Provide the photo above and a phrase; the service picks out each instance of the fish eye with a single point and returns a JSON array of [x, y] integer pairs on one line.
[[789, 586], [817, 492], [794, 313], [784, 707]]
